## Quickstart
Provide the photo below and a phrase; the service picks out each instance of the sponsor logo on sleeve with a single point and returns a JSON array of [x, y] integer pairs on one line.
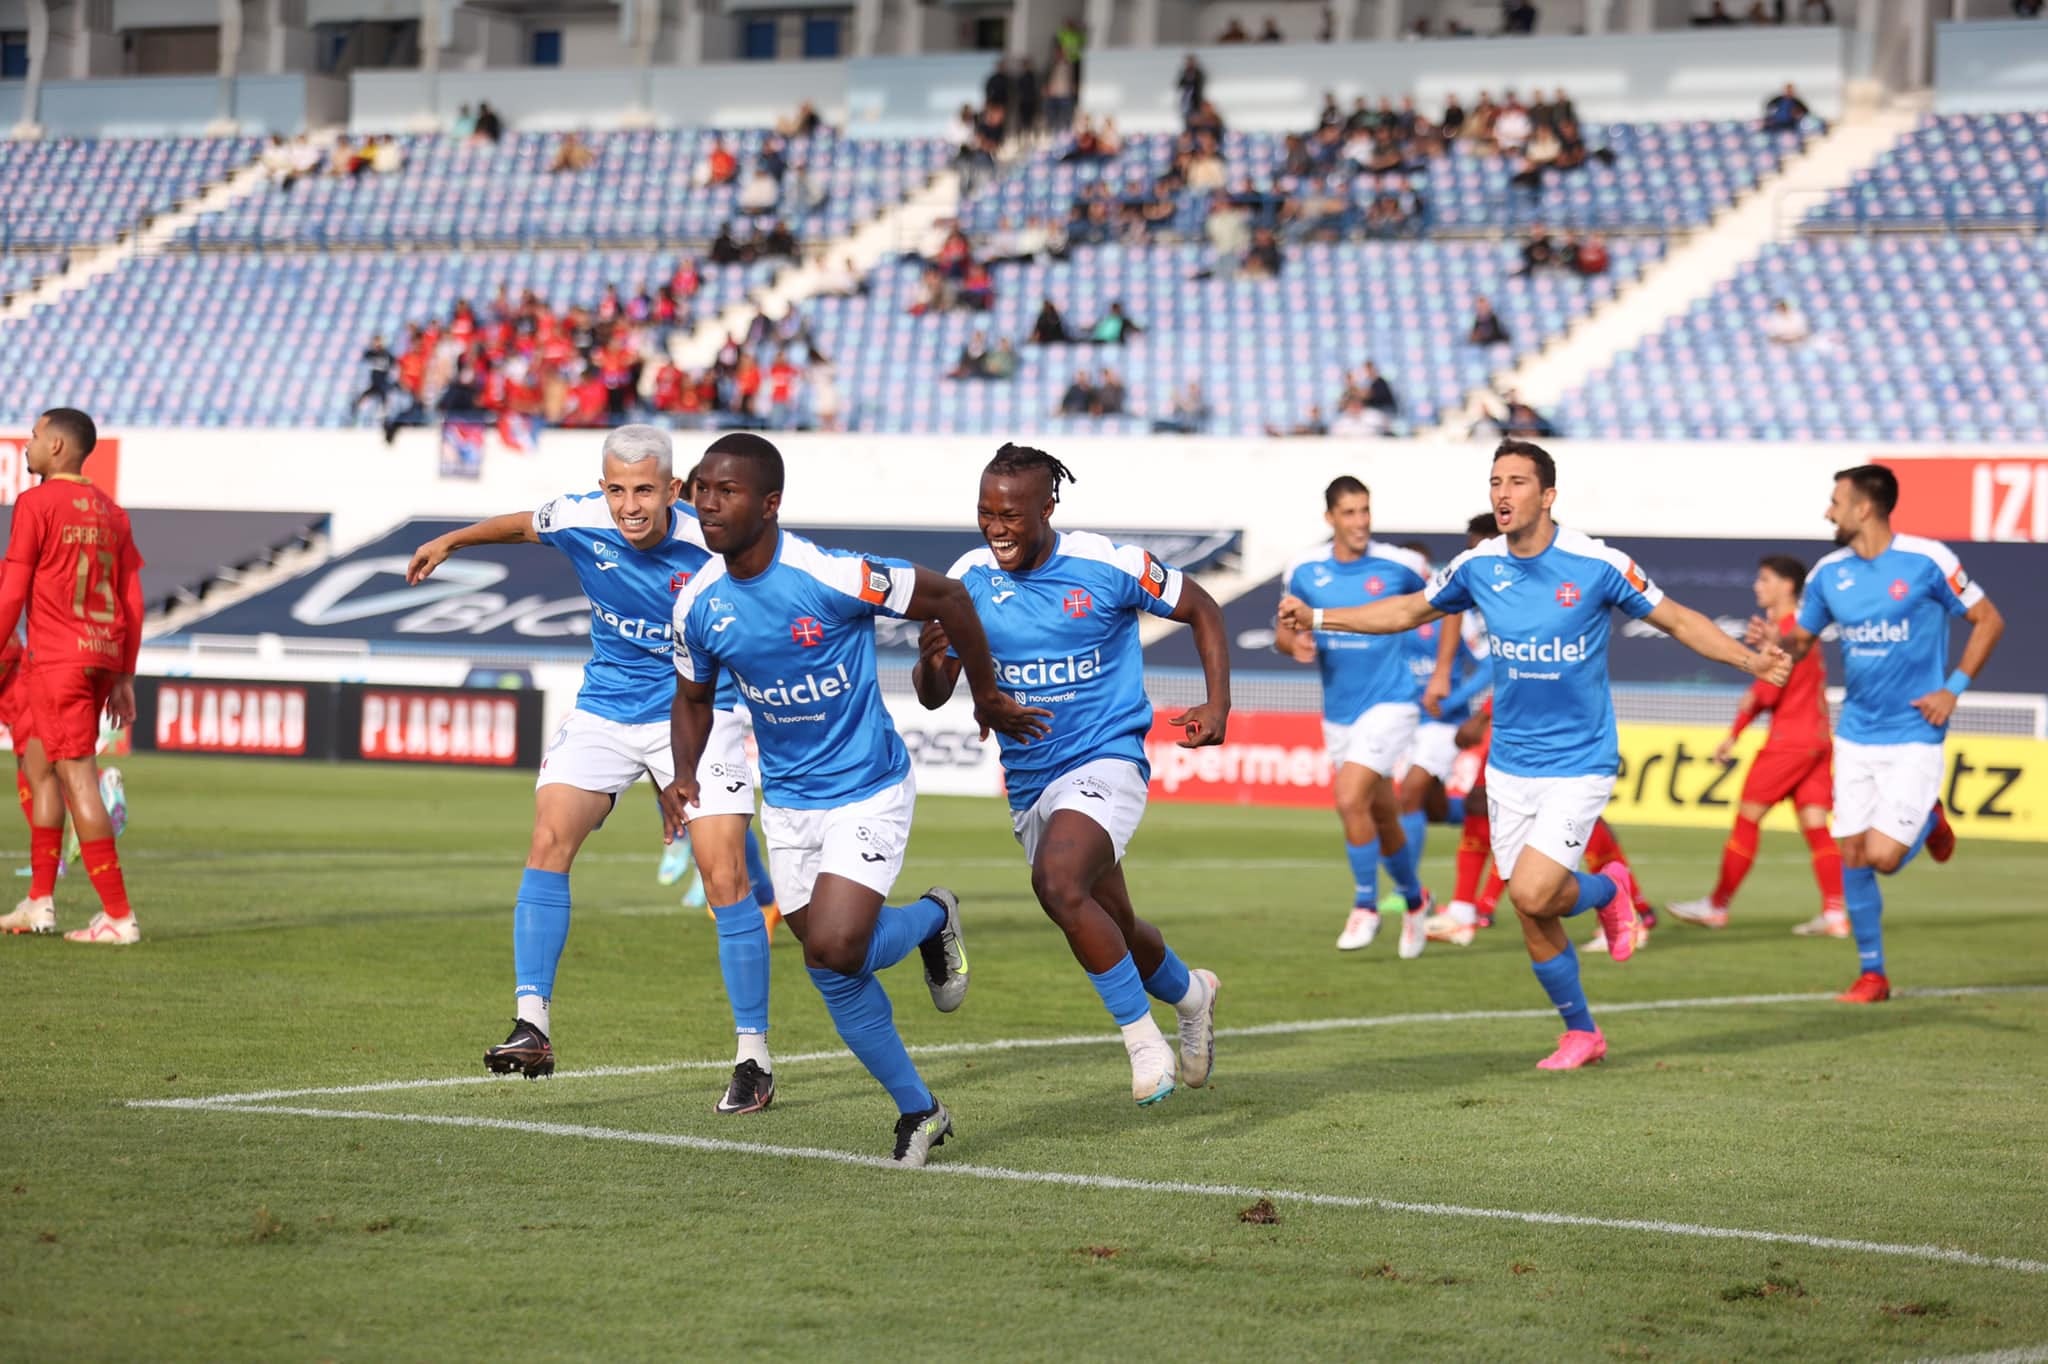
[[1154, 576], [874, 583]]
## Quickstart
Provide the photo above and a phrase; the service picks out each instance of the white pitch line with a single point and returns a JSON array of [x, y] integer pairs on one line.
[[1004, 1174], [2018, 1354], [1286, 1029]]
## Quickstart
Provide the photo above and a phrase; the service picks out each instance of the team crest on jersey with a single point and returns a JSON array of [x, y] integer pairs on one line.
[[1568, 593], [83, 504], [1898, 589], [678, 581], [806, 631], [1077, 604], [1375, 585]]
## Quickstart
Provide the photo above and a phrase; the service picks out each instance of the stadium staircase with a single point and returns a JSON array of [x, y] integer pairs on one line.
[[1690, 271], [87, 265], [896, 229]]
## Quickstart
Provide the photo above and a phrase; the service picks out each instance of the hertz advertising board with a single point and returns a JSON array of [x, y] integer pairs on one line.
[[1996, 787]]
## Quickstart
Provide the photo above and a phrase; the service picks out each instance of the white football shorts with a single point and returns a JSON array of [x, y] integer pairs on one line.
[[592, 753], [1379, 739], [863, 842], [1110, 791], [1887, 787], [1435, 750], [1553, 815]]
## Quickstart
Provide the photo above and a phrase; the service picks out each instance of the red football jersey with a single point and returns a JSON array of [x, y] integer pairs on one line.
[[1799, 709], [79, 550]]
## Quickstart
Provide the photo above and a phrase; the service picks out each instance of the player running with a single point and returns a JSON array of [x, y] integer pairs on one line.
[[1546, 593], [1370, 706], [1061, 612], [1890, 597], [793, 625], [1794, 764], [633, 548], [71, 559]]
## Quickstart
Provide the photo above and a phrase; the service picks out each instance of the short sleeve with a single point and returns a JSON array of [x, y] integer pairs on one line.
[[25, 534], [1450, 591], [693, 657], [1630, 589], [550, 518], [1957, 591], [866, 585], [1148, 584], [1813, 609]]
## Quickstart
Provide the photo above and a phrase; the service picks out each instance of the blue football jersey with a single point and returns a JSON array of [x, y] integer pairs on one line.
[[1065, 637], [799, 642], [1546, 622], [632, 594], [1891, 618], [1466, 668], [1359, 671]]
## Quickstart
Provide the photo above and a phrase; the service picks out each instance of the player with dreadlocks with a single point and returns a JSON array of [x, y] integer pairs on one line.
[[1061, 613]]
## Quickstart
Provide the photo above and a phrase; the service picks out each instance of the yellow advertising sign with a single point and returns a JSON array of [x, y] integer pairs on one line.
[[1996, 787]]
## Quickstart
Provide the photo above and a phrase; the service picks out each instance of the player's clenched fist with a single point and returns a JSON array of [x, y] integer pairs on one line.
[[1295, 613]]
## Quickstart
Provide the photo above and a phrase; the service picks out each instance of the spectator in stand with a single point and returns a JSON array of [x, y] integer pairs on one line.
[[977, 288], [1061, 90], [720, 166], [1086, 145], [1512, 126], [2027, 9], [460, 397], [1190, 416], [669, 382], [1109, 139], [1717, 16], [933, 295], [995, 95], [973, 358], [1050, 329], [1589, 256], [1115, 327], [803, 123], [1785, 112], [1029, 95], [1070, 39], [1478, 128], [1271, 32], [760, 194], [572, 155], [1525, 423], [378, 363], [386, 156], [1518, 16], [1264, 260], [1079, 399], [1110, 396], [1233, 32], [1191, 86], [1313, 425], [1487, 328], [1207, 122], [489, 127], [1785, 324], [822, 384], [1326, 25], [1355, 419], [1377, 393], [778, 244], [464, 126], [1539, 252], [783, 382], [726, 248], [1001, 362]]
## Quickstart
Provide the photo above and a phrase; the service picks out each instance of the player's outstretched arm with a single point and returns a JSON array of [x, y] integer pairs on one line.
[[1449, 641], [1388, 616], [937, 597], [935, 674], [1204, 724], [689, 729], [1699, 634], [513, 528], [1987, 625]]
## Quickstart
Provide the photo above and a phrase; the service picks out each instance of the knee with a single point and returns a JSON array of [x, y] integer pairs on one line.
[[551, 851], [835, 950], [1530, 898], [725, 879], [1884, 863], [1060, 892]]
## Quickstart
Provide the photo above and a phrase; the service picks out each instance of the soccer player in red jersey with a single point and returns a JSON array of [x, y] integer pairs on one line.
[[71, 559], [1795, 764]]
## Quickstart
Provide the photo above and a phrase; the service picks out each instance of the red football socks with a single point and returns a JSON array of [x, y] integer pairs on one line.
[[1738, 855], [103, 869], [1472, 849], [1827, 867], [45, 847]]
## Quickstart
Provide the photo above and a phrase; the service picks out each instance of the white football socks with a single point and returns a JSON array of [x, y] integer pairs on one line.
[[534, 1009], [753, 1046]]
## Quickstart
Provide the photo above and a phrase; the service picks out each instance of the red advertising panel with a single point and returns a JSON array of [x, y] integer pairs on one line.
[[1269, 758], [1973, 499], [230, 717], [102, 466], [474, 728]]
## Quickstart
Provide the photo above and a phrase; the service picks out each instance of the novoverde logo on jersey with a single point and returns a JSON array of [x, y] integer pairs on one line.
[[1995, 786]]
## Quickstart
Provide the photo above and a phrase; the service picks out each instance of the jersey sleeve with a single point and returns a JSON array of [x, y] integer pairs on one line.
[[694, 659], [25, 534], [548, 519], [1148, 584], [1956, 591], [1814, 615], [1450, 591], [1629, 588], [865, 585]]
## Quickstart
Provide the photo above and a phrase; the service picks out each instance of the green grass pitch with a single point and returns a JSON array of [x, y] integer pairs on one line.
[[331, 926]]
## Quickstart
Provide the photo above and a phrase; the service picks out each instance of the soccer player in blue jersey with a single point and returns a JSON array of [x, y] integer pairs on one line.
[[633, 548], [793, 625], [1546, 594], [1371, 706], [1061, 611], [1889, 597]]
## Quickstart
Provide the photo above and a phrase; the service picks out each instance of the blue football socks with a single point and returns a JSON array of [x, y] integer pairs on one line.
[[540, 930], [1365, 873], [1169, 984], [1595, 892], [1866, 915], [743, 961], [898, 931], [1415, 825], [1560, 979], [1913, 851], [860, 1011], [1454, 810], [1123, 994], [1401, 869]]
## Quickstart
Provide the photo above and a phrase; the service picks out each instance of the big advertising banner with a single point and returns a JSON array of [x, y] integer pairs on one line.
[[1996, 787]]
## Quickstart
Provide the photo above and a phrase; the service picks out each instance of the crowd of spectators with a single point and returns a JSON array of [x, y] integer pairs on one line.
[[600, 364]]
